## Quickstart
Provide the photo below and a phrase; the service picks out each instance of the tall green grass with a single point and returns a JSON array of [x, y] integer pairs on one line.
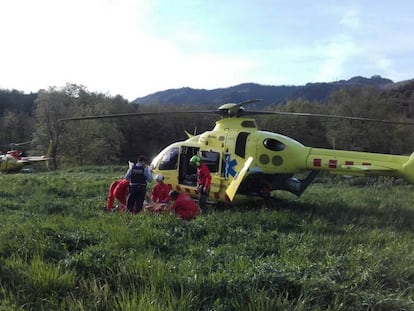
[[338, 247]]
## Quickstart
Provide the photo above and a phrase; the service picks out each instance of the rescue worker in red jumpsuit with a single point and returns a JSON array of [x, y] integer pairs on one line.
[[159, 196], [203, 182], [160, 192], [183, 206], [117, 190]]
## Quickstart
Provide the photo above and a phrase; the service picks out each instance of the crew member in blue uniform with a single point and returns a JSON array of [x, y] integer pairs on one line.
[[138, 176]]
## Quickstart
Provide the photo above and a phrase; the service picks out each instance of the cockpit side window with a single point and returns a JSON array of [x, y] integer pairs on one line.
[[169, 160], [241, 144], [211, 159]]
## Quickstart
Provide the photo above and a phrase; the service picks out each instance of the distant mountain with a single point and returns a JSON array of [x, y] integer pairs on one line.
[[270, 94]]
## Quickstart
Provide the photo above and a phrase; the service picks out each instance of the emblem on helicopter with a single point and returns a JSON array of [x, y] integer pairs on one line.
[[229, 165]]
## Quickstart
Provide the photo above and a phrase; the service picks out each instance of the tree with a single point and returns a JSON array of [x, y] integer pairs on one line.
[[16, 119], [308, 130], [16, 127], [365, 102], [78, 142], [51, 106], [148, 135], [402, 98], [93, 141]]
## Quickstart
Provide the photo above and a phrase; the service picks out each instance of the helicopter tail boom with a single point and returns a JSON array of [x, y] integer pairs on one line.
[[361, 163]]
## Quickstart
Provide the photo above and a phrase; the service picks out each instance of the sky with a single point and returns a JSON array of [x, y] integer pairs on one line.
[[134, 48]]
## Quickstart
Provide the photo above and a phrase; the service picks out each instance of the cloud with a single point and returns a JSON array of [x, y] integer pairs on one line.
[[351, 18], [335, 54], [135, 47], [54, 42], [105, 46]]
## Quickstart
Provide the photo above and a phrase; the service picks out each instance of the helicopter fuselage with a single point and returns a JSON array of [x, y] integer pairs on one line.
[[9, 163], [274, 161], [13, 161], [247, 163]]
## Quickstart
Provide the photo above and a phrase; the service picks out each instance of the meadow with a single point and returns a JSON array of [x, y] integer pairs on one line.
[[343, 245]]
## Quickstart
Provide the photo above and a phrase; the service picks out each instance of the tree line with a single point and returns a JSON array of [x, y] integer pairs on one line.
[[108, 141]]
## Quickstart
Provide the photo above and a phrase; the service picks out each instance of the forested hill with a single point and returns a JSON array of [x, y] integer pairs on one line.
[[17, 102], [270, 94], [35, 117]]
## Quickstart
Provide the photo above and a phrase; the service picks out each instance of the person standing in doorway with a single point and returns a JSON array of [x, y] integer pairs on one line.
[[203, 182], [138, 176]]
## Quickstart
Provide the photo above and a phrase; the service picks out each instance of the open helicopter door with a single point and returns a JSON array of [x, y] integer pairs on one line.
[[213, 161], [187, 174], [234, 185]]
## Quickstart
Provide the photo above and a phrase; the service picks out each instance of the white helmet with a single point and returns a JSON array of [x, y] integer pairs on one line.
[[159, 177]]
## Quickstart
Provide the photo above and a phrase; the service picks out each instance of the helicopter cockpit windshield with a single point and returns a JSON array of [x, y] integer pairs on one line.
[[169, 159]]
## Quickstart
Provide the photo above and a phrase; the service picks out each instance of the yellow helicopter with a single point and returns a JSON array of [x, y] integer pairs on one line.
[[14, 161], [247, 163]]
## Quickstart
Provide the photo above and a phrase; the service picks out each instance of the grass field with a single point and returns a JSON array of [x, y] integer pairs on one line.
[[341, 246]]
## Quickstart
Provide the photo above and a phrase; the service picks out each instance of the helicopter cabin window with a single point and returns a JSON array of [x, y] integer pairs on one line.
[[273, 144], [169, 160], [211, 159], [249, 124], [241, 144]]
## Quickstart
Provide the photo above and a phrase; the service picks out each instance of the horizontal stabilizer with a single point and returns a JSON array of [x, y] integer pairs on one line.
[[368, 168]]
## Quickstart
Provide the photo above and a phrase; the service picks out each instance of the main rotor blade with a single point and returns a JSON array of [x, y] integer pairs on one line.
[[328, 116], [23, 143], [133, 114], [250, 101], [235, 110], [14, 145]]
